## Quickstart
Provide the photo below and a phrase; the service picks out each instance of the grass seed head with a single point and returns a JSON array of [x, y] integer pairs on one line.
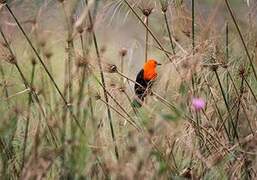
[[111, 68], [42, 41], [123, 52], [60, 1], [33, 60], [6, 55], [122, 89], [112, 85], [3, 44], [103, 49], [97, 96], [224, 65], [242, 71], [147, 11], [81, 61], [80, 29], [214, 67], [90, 28], [164, 6], [11, 59], [151, 131], [48, 54], [164, 9], [132, 149]]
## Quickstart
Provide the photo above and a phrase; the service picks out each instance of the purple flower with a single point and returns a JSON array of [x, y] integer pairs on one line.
[[198, 104]]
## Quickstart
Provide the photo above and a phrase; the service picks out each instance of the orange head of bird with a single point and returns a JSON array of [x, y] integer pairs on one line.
[[150, 72]]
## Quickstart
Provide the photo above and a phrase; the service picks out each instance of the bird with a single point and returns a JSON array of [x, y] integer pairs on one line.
[[144, 81]]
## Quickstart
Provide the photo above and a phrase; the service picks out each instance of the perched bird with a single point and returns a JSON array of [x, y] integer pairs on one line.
[[144, 81]]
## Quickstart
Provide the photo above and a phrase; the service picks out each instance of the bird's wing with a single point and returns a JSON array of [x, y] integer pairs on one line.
[[140, 89]]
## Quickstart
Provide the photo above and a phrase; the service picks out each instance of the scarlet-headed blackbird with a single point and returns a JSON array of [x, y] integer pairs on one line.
[[144, 81]]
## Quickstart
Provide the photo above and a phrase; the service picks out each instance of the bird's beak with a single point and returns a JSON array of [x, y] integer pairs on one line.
[[159, 64]]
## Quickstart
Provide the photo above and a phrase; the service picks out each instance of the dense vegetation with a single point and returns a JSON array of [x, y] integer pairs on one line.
[[67, 74]]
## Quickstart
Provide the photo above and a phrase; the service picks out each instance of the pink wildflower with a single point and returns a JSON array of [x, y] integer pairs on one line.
[[198, 104]]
